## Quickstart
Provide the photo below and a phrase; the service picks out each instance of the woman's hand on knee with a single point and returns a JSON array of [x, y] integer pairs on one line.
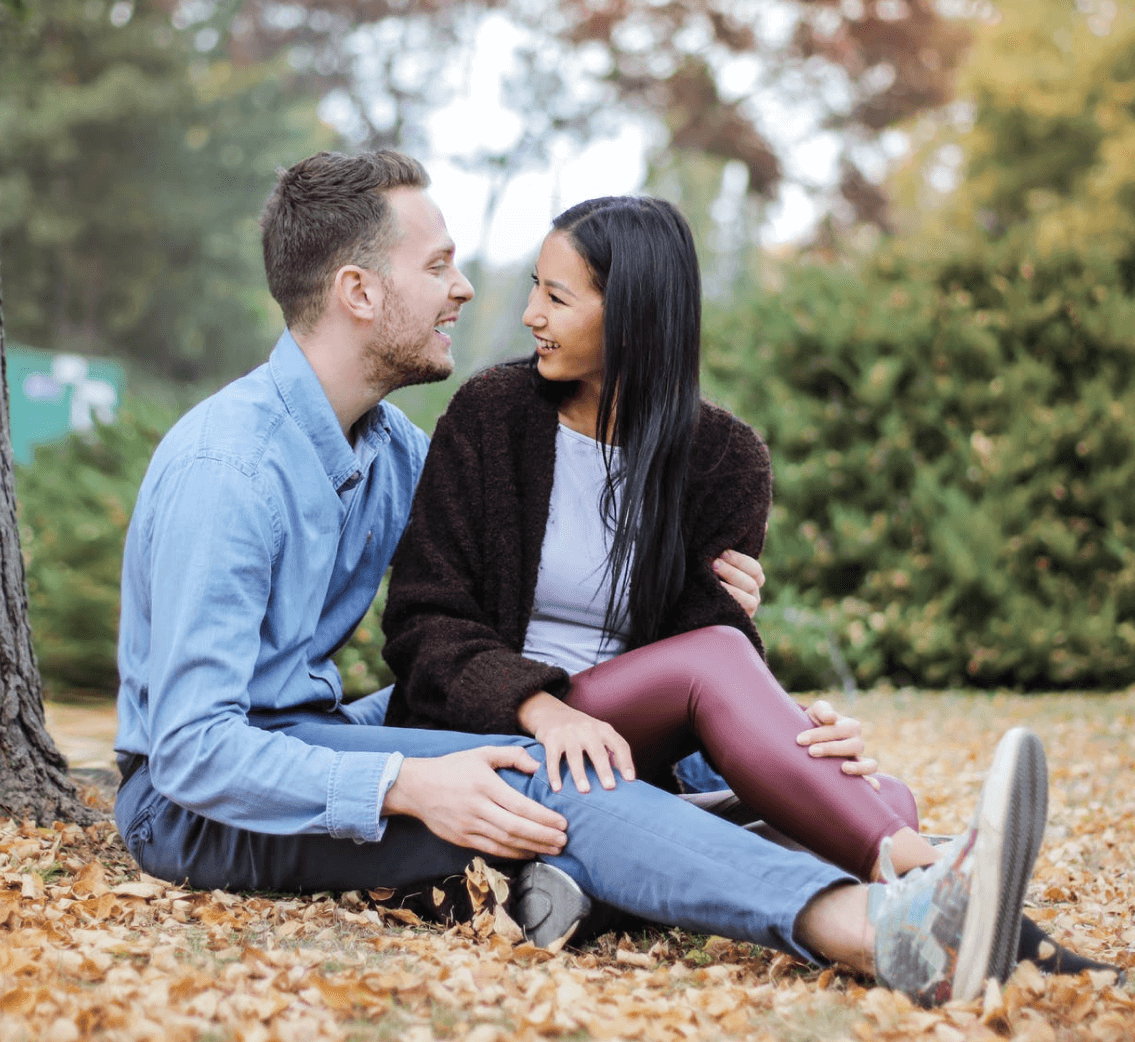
[[566, 732], [837, 735]]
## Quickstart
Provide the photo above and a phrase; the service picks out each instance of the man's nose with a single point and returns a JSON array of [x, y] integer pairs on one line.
[[462, 288]]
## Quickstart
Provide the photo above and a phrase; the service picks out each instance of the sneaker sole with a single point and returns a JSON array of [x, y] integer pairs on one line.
[[547, 903], [1011, 819]]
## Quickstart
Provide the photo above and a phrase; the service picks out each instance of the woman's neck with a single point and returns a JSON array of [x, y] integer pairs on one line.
[[580, 413]]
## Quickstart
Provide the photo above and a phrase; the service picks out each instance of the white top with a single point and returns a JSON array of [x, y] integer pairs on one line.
[[572, 585]]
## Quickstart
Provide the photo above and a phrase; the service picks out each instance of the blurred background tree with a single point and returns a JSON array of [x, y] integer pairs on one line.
[[952, 453], [1039, 150], [943, 369], [132, 169], [947, 408], [34, 782], [740, 81]]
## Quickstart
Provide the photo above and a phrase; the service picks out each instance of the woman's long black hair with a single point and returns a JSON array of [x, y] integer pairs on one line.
[[642, 260]]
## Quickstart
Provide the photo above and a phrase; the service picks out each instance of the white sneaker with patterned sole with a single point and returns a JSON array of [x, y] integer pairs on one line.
[[940, 931]]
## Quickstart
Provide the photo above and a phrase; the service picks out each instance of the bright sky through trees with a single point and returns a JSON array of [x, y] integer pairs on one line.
[[507, 229]]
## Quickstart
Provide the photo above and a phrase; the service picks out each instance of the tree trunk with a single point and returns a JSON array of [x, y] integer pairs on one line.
[[33, 774]]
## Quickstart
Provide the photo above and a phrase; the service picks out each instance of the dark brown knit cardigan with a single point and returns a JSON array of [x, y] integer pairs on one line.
[[464, 575]]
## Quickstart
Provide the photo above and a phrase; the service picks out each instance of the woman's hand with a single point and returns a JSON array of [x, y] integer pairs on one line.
[[742, 576], [564, 731], [836, 735]]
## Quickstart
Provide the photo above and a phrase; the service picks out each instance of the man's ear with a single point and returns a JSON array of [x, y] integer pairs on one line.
[[358, 292]]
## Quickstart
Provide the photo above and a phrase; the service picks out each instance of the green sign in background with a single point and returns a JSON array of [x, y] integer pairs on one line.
[[51, 395]]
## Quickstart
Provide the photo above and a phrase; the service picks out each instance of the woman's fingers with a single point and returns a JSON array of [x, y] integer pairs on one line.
[[833, 735], [822, 712], [578, 768], [842, 747], [610, 746], [863, 766], [553, 753], [622, 757], [568, 733]]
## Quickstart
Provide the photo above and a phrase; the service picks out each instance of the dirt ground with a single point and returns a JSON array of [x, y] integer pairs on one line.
[[93, 949], [84, 732]]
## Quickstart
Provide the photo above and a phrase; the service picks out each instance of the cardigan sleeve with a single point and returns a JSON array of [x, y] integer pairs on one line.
[[728, 501], [454, 668]]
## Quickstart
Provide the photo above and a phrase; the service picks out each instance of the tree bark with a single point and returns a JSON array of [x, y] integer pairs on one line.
[[33, 773]]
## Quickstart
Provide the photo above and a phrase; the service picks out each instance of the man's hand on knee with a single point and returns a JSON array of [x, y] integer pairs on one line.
[[462, 799]]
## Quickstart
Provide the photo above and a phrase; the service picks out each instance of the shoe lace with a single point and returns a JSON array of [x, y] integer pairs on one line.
[[898, 886], [886, 865]]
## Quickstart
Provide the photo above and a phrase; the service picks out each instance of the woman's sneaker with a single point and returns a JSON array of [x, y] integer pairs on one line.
[[940, 931]]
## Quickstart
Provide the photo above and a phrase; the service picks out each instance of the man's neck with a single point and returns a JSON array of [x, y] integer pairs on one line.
[[337, 368]]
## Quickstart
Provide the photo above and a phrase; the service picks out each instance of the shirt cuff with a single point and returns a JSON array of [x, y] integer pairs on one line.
[[356, 789], [389, 777]]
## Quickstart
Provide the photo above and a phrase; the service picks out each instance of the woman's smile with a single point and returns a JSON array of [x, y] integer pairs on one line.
[[565, 314]]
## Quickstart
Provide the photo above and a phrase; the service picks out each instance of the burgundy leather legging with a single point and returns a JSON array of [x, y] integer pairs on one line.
[[710, 689]]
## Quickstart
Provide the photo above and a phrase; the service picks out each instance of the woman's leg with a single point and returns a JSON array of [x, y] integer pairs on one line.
[[709, 687], [696, 775]]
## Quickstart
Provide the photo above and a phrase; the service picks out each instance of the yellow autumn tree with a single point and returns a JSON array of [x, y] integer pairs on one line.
[[1040, 146]]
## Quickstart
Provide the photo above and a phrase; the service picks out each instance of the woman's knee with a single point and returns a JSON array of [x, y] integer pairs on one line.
[[899, 798], [725, 639], [711, 650]]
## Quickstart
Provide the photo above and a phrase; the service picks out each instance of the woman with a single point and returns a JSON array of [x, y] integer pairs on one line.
[[555, 578], [504, 591]]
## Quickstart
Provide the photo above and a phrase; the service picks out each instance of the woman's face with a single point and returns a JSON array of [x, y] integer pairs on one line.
[[565, 314]]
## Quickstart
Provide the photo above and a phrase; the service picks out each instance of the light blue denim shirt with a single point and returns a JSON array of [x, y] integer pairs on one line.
[[258, 541]]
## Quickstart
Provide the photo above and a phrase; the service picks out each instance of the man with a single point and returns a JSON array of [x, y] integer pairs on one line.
[[261, 530]]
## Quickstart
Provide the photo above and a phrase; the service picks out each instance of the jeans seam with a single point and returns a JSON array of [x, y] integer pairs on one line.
[[134, 837]]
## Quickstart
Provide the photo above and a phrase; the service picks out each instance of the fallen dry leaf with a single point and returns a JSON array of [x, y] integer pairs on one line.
[[92, 949]]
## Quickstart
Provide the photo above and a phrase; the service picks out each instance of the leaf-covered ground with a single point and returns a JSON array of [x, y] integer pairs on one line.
[[89, 948]]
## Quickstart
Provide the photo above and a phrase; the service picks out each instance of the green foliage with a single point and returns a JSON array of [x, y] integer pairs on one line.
[[132, 168], [75, 502], [953, 460]]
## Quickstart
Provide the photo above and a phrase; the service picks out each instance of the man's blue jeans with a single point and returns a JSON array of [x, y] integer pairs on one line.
[[635, 847]]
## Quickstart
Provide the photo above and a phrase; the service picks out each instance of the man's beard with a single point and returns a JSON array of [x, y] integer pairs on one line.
[[392, 364], [393, 361]]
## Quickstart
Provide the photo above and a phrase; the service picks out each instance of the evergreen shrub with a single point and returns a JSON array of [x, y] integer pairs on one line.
[[75, 502], [954, 474]]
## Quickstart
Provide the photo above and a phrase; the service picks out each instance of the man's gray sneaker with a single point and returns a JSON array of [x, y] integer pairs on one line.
[[940, 931], [547, 903]]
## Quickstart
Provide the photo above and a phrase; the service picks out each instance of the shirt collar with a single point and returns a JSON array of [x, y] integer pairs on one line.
[[307, 404]]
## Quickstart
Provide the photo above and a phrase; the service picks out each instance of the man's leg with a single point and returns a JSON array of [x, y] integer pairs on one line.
[[173, 843], [936, 934], [635, 847], [707, 789]]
